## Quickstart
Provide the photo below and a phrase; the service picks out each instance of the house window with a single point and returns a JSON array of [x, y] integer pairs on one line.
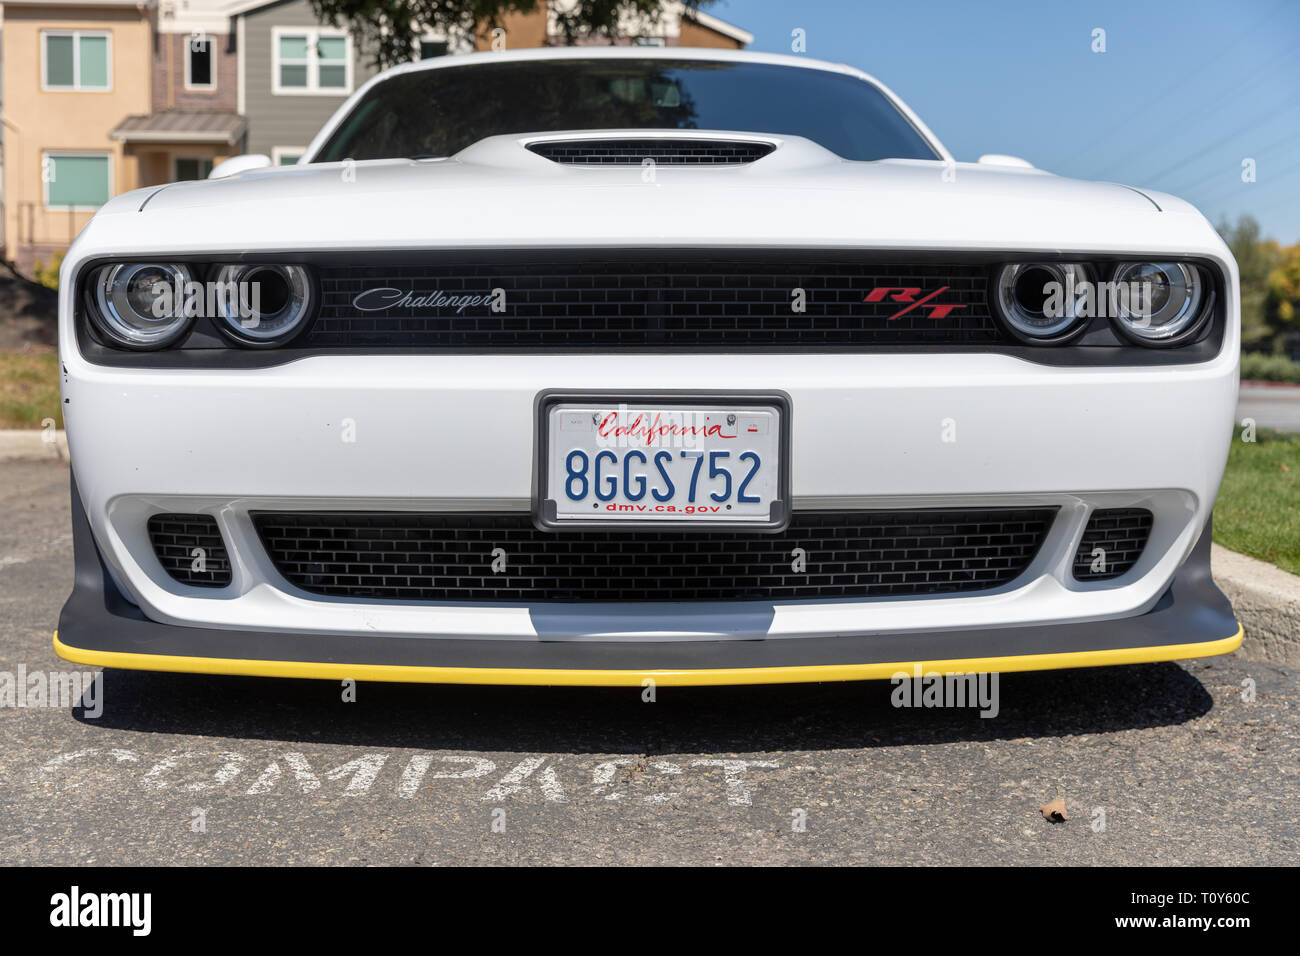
[[332, 53], [200, 70], [431, 48], [75, 60], [188, 168], [312, 61], [286, 155], [76, 180]]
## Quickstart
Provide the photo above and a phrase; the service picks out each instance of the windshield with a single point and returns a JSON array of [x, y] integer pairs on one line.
[[438, 112]]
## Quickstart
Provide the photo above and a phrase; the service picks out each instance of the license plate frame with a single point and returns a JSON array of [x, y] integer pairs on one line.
[[545, 511]]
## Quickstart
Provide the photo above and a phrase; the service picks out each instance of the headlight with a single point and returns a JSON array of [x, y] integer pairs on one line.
[[1037, 300], [1157, 303], [263, 305], [141, 305]]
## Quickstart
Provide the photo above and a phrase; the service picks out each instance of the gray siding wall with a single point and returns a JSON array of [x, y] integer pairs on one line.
[[284, 120]]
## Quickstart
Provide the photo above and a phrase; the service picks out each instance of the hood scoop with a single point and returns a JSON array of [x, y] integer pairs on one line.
[[667, 151]]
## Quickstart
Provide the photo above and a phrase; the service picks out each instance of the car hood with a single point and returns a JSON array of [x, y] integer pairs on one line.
[[499, 193]]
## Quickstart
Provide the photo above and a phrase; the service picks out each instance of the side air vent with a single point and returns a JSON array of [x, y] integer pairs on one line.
[[1111, 543], [668, 152], [190, 549]]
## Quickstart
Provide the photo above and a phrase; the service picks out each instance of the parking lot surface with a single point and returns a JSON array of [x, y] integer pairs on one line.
[[1192, 763]]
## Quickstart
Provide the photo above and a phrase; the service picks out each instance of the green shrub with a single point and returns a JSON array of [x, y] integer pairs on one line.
[[1258, 367], [48, 275]]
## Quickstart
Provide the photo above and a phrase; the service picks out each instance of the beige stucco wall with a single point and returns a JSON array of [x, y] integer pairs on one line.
[[527, 30], [695, 34], [36, 120], [157, 163], [523, 30]]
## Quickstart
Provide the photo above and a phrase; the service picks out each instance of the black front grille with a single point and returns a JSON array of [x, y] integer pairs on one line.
[[436, 557], [662, 301], [670, 152], [175, 538], [1112, 542]]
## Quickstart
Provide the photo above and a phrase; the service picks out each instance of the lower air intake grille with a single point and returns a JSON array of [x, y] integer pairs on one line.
[[175, 537], [668, 152], [1112, 542], [435, 557]]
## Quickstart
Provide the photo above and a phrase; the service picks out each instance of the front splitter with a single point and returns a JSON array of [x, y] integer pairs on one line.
[[99, 627]]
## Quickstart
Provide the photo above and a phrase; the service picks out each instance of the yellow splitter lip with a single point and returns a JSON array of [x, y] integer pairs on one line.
[[635, 678]]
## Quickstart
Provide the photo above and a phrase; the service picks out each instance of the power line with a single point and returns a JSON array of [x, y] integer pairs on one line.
[[1201, 110], [1289, 139], [1179, 83], [1253, 187], [1217, 143]]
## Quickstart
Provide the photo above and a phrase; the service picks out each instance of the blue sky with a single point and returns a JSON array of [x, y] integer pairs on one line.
[[1185, 91]]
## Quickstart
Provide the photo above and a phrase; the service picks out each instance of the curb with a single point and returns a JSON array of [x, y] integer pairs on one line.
[[1261, 383], [1267, 602], [33, 444]]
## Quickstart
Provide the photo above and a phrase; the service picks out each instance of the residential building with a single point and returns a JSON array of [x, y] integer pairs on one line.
[[193, 122], [294, 73], [71, 71], [676, 25], [105, 96]]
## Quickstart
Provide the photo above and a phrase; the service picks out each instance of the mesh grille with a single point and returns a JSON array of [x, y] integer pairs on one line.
[[174, 538], [598, 300], [632, 152], [430, 557], [1121, 533]]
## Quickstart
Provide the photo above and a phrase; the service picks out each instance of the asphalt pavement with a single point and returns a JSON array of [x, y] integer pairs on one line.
[[1270, 406], [1192, 763]]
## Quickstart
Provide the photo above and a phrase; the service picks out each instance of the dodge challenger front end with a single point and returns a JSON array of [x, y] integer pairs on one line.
[[603, 367]]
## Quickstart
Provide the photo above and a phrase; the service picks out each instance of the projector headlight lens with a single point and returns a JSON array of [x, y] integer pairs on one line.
[[1038, 300], [1157, 303], [263, 305], [141, 305]]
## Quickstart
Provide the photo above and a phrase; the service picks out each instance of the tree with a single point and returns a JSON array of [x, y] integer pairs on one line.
[[389, 29], [1256, 259], [1282, 307]]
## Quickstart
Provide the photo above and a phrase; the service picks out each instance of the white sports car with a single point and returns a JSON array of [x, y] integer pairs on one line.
[[600, 366]]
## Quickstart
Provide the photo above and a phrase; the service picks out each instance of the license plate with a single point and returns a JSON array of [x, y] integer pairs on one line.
[[693, 462]]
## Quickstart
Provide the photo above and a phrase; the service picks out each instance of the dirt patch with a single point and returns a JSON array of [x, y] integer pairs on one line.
[[29, 314]]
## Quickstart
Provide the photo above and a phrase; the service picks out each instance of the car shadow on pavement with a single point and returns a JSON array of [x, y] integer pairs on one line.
[[616, 720]]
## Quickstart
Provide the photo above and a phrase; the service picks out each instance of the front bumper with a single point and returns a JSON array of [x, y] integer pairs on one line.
[[437, 433], [99, 627]]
